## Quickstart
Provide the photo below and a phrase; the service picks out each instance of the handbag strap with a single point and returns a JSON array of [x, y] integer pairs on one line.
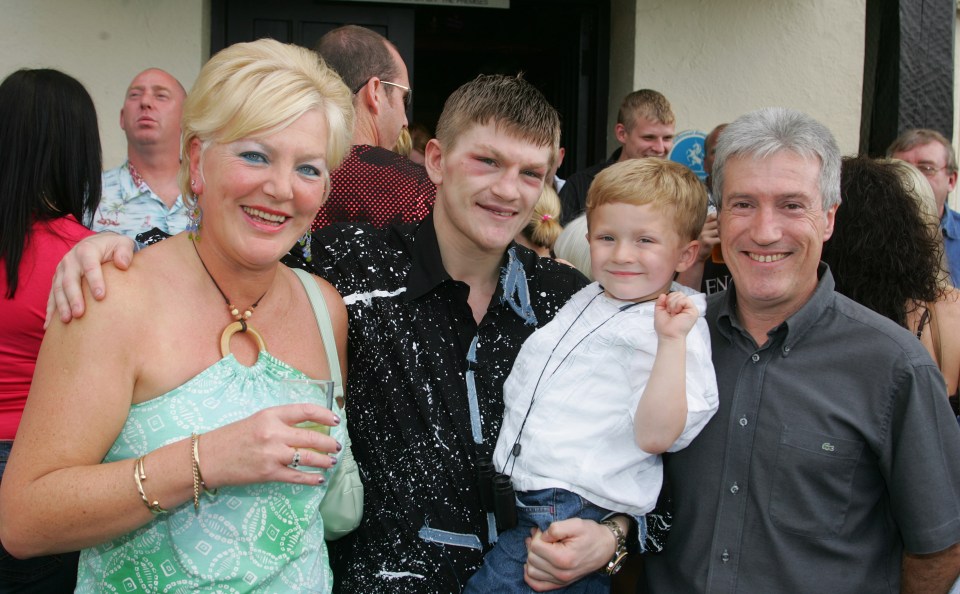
[[319, 306]]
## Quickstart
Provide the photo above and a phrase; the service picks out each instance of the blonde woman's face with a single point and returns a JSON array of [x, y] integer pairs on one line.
[[260, 194]]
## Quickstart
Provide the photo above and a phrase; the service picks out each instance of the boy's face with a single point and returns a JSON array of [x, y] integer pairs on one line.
[[635, 250], [487, 186]]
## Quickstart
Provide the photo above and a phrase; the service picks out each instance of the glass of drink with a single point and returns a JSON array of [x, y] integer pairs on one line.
[[314, 391], [300, 390], [716, 255], [316, 574]]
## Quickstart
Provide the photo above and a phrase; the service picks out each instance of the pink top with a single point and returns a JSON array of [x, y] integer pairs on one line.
[[21, 319]]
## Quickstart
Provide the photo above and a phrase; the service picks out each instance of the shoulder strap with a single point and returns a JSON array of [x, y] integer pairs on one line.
[[923, 321], [326, 328], [935, 334]]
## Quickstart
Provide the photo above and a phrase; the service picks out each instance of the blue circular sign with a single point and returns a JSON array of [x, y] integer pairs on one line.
[[688, 149]]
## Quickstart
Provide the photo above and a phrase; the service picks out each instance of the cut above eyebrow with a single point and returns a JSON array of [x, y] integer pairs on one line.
[[500, 157]]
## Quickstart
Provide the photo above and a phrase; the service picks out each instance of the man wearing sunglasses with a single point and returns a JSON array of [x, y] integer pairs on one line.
[[374, 184], [931, 153]]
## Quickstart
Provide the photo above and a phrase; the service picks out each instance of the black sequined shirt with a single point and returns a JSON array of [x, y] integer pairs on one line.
[[410, 331]]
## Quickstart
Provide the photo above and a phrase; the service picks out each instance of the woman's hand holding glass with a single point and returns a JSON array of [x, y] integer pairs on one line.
[[309, 390], [262, 447]]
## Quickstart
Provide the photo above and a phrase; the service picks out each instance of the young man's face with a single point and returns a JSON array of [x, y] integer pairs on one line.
[[635, 250], [152, 109], [645, 138], [772, 229], [487, 186]]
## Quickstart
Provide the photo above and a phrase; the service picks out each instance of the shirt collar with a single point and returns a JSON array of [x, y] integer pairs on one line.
[[426, 268], [135, 176], [796, 326], [950, 223]]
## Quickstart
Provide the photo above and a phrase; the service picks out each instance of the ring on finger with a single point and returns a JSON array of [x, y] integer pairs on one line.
[[296, 458]]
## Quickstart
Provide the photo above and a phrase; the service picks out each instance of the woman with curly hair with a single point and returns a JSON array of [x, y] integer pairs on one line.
[[887, 253], [929, 322]]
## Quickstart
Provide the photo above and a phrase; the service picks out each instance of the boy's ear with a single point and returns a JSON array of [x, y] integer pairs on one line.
[[688, 255]]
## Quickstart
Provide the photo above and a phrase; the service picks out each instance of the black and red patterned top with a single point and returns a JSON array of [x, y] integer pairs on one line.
[[377, 186]]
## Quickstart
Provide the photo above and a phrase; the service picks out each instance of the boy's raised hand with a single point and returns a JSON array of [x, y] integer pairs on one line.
[[674, 315]]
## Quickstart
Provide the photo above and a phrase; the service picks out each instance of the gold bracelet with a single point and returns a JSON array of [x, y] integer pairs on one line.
[[198, 482], [139, 475]]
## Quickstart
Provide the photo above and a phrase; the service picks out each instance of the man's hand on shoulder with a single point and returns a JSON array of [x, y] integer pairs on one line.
[[85, 260]]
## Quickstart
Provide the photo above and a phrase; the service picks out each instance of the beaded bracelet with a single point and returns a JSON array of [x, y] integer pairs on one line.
[[139, 475], [198, 482]]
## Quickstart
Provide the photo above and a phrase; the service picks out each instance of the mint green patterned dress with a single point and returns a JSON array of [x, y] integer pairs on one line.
[[254, 538]]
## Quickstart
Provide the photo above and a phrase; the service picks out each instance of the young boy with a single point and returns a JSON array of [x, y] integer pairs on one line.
[[621, 375]]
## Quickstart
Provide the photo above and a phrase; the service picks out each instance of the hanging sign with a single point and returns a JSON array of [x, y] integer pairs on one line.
[[688, 150]]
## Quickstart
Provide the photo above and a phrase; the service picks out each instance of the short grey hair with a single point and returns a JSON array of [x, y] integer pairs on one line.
[[765, 132]]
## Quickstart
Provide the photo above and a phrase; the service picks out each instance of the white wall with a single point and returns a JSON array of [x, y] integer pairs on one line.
[[715, 60], [104, 44]]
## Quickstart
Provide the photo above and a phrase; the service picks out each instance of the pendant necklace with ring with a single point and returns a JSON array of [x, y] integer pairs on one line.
[[240, 325]]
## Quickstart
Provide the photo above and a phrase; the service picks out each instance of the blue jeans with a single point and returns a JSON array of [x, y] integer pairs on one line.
[[502, 569], [52, 574]]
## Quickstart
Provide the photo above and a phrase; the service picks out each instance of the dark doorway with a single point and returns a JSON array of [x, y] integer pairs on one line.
[[560, 45], [907, 70]]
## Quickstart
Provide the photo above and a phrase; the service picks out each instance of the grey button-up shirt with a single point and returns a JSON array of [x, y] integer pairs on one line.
[[833, 451]]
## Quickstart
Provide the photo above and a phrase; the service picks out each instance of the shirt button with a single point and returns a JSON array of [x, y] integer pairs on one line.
[[734, 489], [755, 357], [743, 421], [725, 556]]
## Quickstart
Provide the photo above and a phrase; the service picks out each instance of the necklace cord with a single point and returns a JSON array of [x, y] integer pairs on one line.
[[242, 318], [515, 450]]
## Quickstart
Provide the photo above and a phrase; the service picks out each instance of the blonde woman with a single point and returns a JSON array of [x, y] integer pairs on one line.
[[157, 437]]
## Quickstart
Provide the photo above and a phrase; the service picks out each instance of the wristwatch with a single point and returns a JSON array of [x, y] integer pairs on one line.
[[616, 562]]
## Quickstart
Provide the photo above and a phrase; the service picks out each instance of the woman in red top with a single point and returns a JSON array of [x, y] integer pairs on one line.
[[49, 177]]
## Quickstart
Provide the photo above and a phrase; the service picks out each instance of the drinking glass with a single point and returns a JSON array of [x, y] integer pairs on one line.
[[310, 390], [300, 390], [320, 392]]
